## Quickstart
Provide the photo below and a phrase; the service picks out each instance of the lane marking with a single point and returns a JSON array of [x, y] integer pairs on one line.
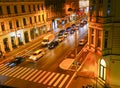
[[39, 76], [12, 71], [62, 83], [31, 74], [55, 84], [44, 77], [26, 74], [19, 72], [35, 75], [53, 79], [16, 71], [23, 72]]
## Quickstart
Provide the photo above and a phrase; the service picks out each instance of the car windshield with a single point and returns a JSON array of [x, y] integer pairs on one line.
[[45, 40]]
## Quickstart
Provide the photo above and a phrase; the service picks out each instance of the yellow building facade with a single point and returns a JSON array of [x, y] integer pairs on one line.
[[20, 23], [104, 40]]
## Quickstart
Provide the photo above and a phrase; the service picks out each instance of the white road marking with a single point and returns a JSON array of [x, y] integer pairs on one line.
[[62, 83], [55, 84], [35, 75], [39, 76], [44, 77], [54, 79]]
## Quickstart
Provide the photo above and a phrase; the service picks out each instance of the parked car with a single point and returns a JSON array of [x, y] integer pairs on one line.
[[61, 32], [82, 42], [61, 38], [53, 44], [17, 60], [72, 31], [37, 55], [65, 34]]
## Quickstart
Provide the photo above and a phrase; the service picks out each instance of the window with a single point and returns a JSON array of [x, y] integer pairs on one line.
[[23, 8], [17, 23], [38, 6], [106, 33], [106, 43], [30, 20], [24, 21], [1, 12], [29, 8], [108, 10], [34, 8], [43, 18], [102, 69], [15, 9], [35, 19], [101, 1], [42, 6], [2, 26], [10, 24], [99, 42], [39, 18], [8, 10], [92, 31], [92, 40]]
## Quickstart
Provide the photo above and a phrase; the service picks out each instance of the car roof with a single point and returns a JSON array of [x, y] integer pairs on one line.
[[37, 51]]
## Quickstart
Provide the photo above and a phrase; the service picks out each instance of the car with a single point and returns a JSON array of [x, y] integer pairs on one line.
[[82, 42], [60, 38], [17, 60], [72, 31], [61, 32], [53, 44], [37, 55], [65, 34]]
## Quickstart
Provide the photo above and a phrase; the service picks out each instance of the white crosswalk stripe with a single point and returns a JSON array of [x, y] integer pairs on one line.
[[52, 79]]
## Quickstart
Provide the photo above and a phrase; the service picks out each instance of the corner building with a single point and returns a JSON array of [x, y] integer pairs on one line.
[[104, 40], [21, 22]]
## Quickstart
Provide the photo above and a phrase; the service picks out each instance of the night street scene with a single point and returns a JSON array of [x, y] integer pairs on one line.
[[59, 44]]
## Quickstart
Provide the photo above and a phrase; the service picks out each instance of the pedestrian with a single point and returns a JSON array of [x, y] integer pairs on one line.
[[3, 55]]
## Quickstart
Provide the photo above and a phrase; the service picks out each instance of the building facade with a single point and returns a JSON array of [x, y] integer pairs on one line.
[[20, 22], [104, 40]]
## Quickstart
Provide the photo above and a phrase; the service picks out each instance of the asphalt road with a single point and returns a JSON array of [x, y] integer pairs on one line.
[[45, 71]]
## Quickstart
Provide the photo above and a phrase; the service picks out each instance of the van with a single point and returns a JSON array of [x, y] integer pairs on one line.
[[47, 39]]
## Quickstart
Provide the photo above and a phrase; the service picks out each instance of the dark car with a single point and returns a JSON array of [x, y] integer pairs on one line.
[[61, 32], [68, 29], [17, 60], [53, 44]]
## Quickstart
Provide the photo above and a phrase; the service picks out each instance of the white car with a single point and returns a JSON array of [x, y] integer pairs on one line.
[[37, 54], [61, 38], [82, 42], [65, 34]]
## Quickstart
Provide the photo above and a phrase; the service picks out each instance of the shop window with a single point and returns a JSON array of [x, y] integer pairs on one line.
[[102, 69]]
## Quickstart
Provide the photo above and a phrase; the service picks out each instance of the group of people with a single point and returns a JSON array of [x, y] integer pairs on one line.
[[2, 54]]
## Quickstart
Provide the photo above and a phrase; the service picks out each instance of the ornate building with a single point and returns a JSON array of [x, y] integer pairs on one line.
[[20, 22], [104, 40]]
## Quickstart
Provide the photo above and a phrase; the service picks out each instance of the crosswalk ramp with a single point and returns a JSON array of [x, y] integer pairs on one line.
[[38, 76]]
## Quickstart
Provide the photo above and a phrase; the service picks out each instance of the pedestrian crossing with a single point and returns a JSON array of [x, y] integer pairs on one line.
[[34, 75]]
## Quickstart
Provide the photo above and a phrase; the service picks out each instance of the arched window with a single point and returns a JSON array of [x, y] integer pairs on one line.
[[102, 69]]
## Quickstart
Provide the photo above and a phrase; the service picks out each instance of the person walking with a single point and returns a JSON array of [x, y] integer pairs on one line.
[[3, 54]]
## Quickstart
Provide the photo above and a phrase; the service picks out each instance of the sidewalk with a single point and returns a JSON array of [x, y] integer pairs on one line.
[[20, 48]]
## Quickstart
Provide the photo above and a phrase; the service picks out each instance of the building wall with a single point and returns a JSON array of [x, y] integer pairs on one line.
[[17, 28], [104, 38]]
